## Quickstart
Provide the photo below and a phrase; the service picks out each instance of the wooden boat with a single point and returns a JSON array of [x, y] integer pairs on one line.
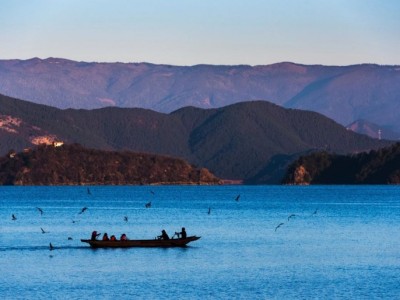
[[141, 243]]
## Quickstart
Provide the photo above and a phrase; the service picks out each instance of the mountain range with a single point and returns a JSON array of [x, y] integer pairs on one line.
[[342, 93], [251, 141]]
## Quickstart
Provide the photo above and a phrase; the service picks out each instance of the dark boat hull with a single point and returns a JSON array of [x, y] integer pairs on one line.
[[141, 243]]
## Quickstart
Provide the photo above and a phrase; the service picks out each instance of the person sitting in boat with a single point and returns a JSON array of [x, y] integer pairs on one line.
[[94, 235], [105, 237], [123, 237], [113, 238], [163, 236], [182, 234]]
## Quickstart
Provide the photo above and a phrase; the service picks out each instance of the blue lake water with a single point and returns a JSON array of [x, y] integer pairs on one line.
[[342, 243]]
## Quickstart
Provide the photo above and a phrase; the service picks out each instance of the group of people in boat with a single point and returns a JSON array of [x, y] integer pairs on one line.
[[106, 238], [163, 236]]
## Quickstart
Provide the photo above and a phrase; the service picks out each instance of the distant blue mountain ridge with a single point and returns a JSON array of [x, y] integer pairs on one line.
[[343, 93]]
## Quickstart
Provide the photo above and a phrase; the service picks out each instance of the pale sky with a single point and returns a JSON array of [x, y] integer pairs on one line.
[[189, 32]]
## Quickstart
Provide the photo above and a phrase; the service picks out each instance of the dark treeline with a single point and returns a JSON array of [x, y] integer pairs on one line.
[[375, 167], [76, 165]]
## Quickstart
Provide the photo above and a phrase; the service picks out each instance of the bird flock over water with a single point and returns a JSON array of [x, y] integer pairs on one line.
[[82, 211], [290, 216], [43, 231], [147, 206]]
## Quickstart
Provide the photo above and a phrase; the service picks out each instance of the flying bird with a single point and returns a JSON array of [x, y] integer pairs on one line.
[[291, 216], [83, 210], [279, 226], [237, 197], [148, 205], [13, 217], [40, 210], [209, 210], [43, 231], [315, 212], [126, 219], [152, 192]]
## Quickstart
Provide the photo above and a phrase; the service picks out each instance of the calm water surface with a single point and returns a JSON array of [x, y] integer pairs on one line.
[[343, 242]]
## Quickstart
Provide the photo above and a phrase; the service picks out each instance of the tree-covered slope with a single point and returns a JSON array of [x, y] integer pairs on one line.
[[75, 165], [234, 142], [375, 167]]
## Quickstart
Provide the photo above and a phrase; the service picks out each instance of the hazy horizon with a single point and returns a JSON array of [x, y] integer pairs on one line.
[[193, 65], [203, 32]]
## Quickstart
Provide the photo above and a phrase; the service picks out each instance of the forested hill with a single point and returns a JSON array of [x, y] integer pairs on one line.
[[75, 165], [375, 167], [239, 141]]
